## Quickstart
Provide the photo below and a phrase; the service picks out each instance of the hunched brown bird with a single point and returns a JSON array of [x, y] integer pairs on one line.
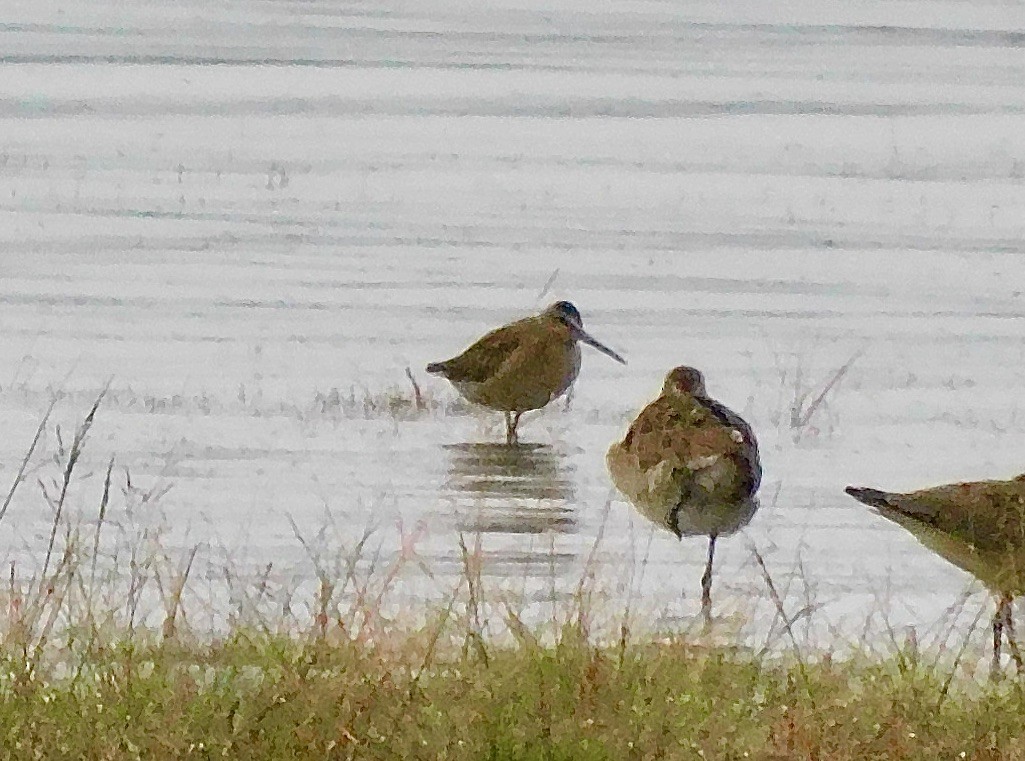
[[690, 465]]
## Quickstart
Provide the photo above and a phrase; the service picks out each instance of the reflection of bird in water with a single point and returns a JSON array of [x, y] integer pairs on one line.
[[979, 527], [690, 465], [523, 365], [516, 489]]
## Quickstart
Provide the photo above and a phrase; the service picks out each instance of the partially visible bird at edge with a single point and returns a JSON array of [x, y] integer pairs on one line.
[[690, 465], [979, 526], [523, 365]]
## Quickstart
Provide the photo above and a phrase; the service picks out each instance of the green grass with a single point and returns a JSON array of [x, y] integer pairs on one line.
[[260, 697], [103, 654]]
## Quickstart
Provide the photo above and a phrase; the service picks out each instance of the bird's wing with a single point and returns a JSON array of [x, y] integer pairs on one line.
[[988, 514], [484, 359], [667, 431], [746, 451], [729, 418]]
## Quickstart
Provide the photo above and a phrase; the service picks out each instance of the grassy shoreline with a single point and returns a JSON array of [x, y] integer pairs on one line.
[[255, 696], [103, 655]]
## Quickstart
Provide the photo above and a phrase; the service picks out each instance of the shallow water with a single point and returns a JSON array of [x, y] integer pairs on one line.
[[254, 215]]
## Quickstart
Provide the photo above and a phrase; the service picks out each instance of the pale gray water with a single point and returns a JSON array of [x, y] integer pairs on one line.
[[234, 208]]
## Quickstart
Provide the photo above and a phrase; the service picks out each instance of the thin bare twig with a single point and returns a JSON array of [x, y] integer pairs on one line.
[[104, 502], [417, 396], [836, 378], [169, 628], [957, 659], [548, 284], [76, 451], [787, 621], [28, 456]]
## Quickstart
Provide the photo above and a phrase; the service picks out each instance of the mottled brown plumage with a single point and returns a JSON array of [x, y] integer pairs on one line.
[[689, 464], [978, 526], [685, 447], [523, 365]]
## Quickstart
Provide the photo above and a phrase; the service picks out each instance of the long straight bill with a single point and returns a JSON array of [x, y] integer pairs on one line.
[[582, 335]]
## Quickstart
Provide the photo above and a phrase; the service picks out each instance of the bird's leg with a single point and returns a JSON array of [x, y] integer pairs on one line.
[[994, 669], [512, 437], [706, 584], [998, 636], [511, 421], [1007, 602]]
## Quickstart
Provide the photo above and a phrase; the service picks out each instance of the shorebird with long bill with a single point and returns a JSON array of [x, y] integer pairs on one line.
[[523, 365]]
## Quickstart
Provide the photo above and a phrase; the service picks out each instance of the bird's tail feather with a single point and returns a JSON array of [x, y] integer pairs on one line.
[[872, 497]]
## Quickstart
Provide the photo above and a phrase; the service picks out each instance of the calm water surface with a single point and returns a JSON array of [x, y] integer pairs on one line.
[[254, 216]]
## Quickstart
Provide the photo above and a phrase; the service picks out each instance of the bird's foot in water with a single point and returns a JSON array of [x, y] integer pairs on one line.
[[1003, 624], [511, 422], [706, 586]]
